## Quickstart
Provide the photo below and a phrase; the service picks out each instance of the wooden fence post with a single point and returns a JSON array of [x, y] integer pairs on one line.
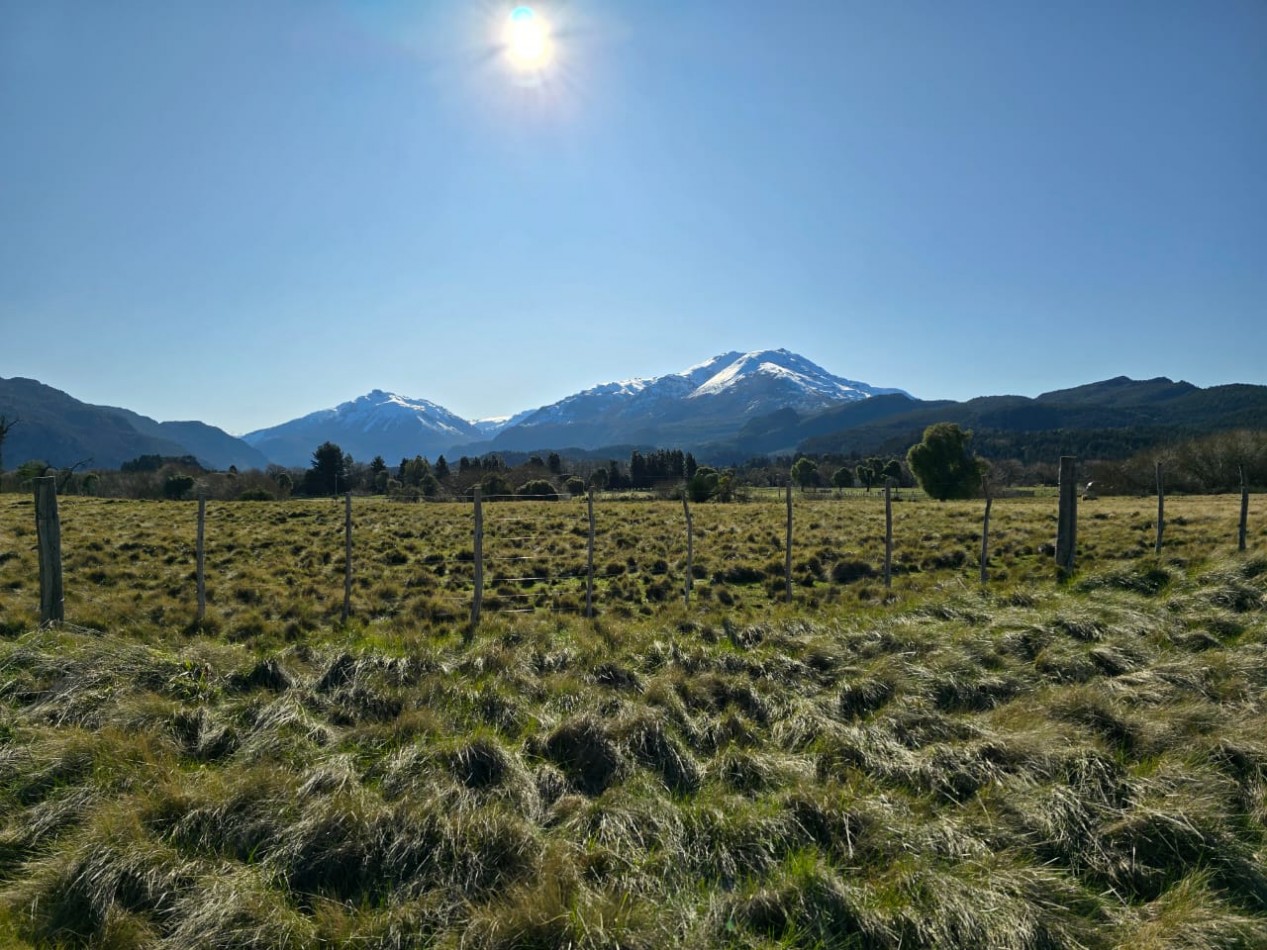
[[478, 599], [1244, 525], [690, 548], [589, 558], [985, 530], [1067, 519], [201, 555], [48, 529], [787, 564], [1161, 508], [347, 556], [888, 533]]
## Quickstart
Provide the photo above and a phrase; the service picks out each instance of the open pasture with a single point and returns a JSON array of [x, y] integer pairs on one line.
[[275, 569], [1029, 766]]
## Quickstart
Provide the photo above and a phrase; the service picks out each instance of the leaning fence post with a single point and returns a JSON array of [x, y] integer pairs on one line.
[[201, 555], [787, 564], [1161, 508], [48, 529], [1067, 519], [589, 558], [888, 533], [1244, 526], [478, 599], [347, 556], [690, 548], [985, 530]]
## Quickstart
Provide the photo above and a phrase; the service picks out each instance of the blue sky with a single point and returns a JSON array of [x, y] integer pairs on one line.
[[245, 211]]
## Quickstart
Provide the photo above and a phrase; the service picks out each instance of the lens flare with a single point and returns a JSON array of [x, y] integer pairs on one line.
[[527, 39]]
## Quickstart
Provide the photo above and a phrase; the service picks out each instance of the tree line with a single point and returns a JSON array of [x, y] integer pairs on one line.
[[943, 463]]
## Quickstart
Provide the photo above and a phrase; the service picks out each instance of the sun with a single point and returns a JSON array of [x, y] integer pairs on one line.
[[527, 37]]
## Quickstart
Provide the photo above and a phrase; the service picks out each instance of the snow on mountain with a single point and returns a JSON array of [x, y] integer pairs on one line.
[[378, 423], [709, 400], [491, 426], [795, 370]]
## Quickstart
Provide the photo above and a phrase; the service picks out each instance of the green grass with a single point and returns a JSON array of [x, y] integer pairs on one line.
[[1032, 765]]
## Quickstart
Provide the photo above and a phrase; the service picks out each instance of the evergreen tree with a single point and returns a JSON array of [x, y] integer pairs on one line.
[[327, 475]]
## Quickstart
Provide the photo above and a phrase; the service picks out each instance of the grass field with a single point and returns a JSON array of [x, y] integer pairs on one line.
[[1031, 765]]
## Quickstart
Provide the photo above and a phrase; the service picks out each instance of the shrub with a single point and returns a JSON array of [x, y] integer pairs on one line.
[[177, 486], [539, 489]]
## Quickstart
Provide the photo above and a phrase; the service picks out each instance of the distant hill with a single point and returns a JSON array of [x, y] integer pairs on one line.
[[1111, 419], [725, 410], [214, 447], [62, 431]]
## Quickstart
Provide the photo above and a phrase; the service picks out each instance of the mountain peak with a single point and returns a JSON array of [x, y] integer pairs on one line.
[[376, 423], [704, 402]]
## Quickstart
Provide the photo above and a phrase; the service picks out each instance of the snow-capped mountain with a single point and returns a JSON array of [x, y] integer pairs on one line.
[[706, 402], [491, 426], [378, 423]]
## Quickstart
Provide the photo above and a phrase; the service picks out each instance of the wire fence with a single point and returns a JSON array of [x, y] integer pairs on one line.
[[301, 563]]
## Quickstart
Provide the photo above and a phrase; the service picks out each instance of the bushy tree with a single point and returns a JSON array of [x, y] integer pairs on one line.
[[866, 476], [442, 468], [805, 472], [943, 464], [575, 485], [598, 478], [842, 478], [554, 463], [413, 471], [495, 484]]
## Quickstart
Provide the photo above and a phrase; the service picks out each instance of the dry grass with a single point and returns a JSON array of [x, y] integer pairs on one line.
[[1031, 766]]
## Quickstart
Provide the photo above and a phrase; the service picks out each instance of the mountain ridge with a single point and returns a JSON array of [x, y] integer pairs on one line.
[[707, 401], [726, 409], [63, 431]]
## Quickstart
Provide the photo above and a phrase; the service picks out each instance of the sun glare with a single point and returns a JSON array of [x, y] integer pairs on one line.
[[527, 40]]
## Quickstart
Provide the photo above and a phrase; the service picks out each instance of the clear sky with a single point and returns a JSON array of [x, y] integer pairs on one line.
[[246, 210]]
